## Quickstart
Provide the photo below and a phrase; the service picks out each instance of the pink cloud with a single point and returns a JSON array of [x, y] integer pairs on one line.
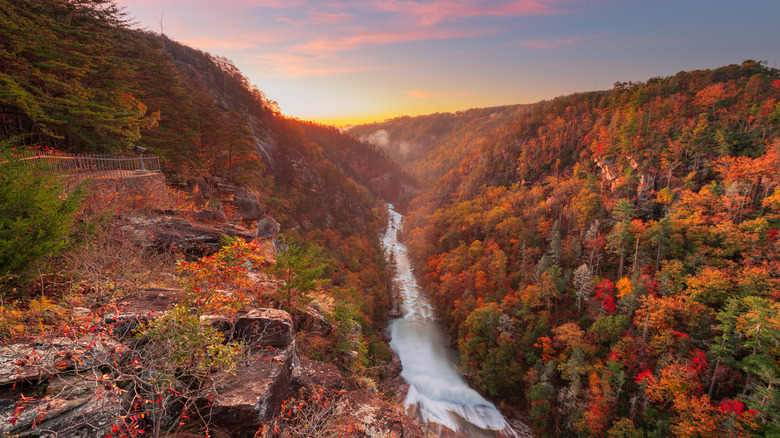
[[437, 11], [552, 43], [276, 4], [290, 65], [319, 17], [330, 17], [419, 94], [342, 44], [227, 44]]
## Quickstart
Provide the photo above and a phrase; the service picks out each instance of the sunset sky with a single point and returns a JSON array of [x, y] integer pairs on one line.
[[351, 61]]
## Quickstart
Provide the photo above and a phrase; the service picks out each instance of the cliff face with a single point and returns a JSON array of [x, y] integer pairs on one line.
[[320, 167]]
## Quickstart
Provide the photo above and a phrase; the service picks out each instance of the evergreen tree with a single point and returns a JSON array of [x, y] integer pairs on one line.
[[36, 217]]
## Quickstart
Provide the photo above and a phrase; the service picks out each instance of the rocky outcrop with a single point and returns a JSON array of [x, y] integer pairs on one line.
[[310, 374], [70, 406], [210, 217], [377, 417], [248, 209], [267, 227], [45, 387], [80, 403], [374, 416], [253, 395], [645, 187], [258, 327], [609, 170], [36, 361], [124, 316], [177, 233], [243, 201]]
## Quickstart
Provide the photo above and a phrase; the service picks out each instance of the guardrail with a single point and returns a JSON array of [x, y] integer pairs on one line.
[[106, 166]]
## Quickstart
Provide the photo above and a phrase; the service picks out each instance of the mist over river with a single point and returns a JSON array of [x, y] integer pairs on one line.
[[438, 393]]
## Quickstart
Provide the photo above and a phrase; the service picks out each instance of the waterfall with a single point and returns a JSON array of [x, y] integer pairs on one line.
[[437, 390]]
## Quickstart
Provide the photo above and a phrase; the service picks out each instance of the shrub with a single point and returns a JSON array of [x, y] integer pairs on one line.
[[36, 217]]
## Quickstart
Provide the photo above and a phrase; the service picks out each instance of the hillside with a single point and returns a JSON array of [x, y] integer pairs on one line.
[[609, 260], [428, 146], [608, 263], [76, 78]]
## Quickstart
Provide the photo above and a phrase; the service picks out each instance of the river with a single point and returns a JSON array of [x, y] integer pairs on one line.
[[438, 392]]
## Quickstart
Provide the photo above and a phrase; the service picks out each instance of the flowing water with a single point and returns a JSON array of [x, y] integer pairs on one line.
[[438, 393]]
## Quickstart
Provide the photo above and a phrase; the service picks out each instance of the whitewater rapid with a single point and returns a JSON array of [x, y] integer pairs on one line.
[[437, 391]]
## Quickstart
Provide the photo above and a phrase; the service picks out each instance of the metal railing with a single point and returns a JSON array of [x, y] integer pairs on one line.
[[105, 166]]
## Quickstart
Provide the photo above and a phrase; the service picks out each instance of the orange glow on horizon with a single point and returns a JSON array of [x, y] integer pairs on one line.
[[343, 122]]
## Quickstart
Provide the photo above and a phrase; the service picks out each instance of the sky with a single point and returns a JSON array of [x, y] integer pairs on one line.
[[345, 62]]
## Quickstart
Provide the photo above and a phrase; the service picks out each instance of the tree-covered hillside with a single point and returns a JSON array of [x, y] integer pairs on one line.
[[610, 260], [428, 146], [75, 77]]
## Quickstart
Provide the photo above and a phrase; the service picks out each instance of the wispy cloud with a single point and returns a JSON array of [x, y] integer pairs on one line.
[[365, 38], [313, 38], [552, 43], [233, 43], [316, 17], [437, 11], [419, 94], [291, 65]]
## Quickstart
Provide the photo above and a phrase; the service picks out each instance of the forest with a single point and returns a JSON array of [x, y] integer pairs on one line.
[[77, 78], [609, 261]]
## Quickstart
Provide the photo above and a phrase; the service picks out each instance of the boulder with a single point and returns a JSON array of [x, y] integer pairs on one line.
[[211, 217], [150, 301], [311, 320], [377, 417], [268, 228], [248, 209], [253, 395], [37, 360], [125, 315], [310, 373], [181, 234], [258, 327], [69, 406]]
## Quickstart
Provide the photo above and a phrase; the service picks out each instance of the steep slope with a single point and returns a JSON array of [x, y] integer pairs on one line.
[[362, 162], [428, 146], [307, 162], [76, 78], [610, 260]]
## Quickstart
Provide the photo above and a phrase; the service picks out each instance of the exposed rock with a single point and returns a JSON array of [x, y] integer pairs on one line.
[[38, 360], [179, 233], [609, 171], [268, 228], [68, 407], [81, 312], [139, 306], [646, 185], [253, 395], [258, 327], [394, 313], [393, 383], [379, 418], [248, 209], [211, 217], [242, 201], [310, 373], [311, 320], [154, 300]]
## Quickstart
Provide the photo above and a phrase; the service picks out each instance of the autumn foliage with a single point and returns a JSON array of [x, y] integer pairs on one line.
[[610, 261]]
